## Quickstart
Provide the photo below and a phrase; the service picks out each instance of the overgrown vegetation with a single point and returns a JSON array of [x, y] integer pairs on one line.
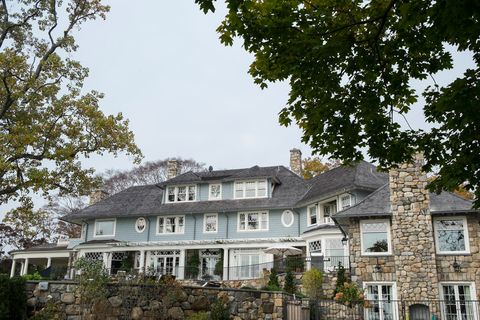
[[12, 298], [312, 283], [199, 316], [92, 281], [350, 295], [219, 311]]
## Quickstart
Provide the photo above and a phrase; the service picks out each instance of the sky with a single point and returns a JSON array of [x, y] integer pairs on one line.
[[161, 64]]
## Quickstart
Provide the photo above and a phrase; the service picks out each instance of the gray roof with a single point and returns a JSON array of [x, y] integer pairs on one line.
[[43, 247], [378, 204], [362, 175], [147, 200]]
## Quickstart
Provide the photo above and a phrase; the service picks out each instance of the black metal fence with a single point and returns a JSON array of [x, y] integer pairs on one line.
[[396, 310]]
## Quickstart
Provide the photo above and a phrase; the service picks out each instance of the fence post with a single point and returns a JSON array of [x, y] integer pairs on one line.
[[403, 310]]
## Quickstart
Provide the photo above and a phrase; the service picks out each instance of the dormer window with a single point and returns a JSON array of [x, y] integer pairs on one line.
[[251, 189], [215, 191], [181, 193]]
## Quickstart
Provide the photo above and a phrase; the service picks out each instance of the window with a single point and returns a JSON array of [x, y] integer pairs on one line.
[[451, 235], [457, 301], [210, 223], [375, 237], [170, 224], [287, 218], [329, 209], [181, 193], [215, 191], [345, 201], [312, 215], [250, 189], [253, 221], [140, 225], [105, 228], [83, 234], [381, 297]]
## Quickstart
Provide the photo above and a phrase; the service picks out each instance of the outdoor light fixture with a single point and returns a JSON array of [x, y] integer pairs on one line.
[[377, 268], [456, 266], [344, 241]]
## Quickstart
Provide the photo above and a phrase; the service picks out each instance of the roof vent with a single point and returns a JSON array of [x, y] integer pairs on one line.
[[210, 169]]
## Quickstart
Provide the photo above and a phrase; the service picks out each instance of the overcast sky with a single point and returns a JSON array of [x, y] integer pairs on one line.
[[161, 64]]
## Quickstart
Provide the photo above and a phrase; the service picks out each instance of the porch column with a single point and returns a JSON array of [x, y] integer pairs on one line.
[[12, 271], [141, 266], [107, 261], [49, 262], [226, 256], [181, 265], [25, 267], [309, 257]]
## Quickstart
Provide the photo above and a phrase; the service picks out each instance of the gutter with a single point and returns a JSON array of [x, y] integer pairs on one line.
[[345, 235]]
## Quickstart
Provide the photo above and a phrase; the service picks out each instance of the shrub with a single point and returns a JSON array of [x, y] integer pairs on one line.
[[312, 283], [33, 276], [92, 282], [341, 279], [12, 298], [294, 262], [219, 311], [289, 286], [273, 279], [218, 271], [350, 295], [193, 263], [198, 316]]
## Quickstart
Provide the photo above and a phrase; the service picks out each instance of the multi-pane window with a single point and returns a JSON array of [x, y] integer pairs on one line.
[[253, 221], [250, 189], [181, 193], [105, 227], [329, 209], [215, 191], [451, 235], [345, 201], [457, 302], [312, 215], [375, 237], [382, 302], [210, 223], [171, 224]]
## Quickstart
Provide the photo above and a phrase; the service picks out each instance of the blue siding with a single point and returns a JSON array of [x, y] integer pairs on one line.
[[202, 192], [227, 190]]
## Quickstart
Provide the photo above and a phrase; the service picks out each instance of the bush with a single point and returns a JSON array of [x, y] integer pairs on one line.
[[93, 279], [273, 279], [294, 262], [341, 279], [312, 283], [32, 276], [12, 298], [199, 316], [193, 264], [218, 271], [219, 311], [289, 286], [350, 295]]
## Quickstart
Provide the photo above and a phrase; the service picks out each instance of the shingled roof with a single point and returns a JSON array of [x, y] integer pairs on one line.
[[378, 204], [147, 200], [362, 175]]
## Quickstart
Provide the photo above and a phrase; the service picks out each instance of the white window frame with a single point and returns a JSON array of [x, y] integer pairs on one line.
[[309, 221], [210, 191], [340, 200], [287, 225], [389, 237], [83, 232], [205, 222], [105, 235], [244, 184], [321, 211], [246, 213], [383, 283], [164, 225], [473, 293], [465, 234], [187, 186], [136, 225]]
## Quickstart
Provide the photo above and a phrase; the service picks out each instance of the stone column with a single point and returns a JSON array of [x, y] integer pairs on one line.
[[12, 270], [141, 266], [412, 233], [226, 256], [181, 265], [25, 267]]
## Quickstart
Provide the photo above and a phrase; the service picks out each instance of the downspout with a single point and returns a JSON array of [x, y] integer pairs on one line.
[[86, 229], [148, 231], [194, 226], [345, 235], [226, 232]]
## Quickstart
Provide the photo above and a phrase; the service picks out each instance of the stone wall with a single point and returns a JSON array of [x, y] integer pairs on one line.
[[135, 302], [412, 232]]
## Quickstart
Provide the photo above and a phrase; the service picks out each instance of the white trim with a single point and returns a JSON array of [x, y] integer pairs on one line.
[[393, 284], [465, 233], [244, 182], [282, 218], [187, 186], [104, 235], [136, 225], [473, 295], [389, 237], [41, 254], [205, 223], [164, 225], [340, 204], [210, 191], [309, 224], [260, 212]]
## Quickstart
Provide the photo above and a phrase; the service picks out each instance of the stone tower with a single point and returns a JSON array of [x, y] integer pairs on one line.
[[412, 232]]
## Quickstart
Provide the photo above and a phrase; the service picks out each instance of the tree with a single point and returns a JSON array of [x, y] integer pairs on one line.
[[47, 123], [352, 66], [289, 285], [314, 166], [6, 233], [61, 206], [152, 172]]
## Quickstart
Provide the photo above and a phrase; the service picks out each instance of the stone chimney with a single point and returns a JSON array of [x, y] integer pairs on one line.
[[173, 168], [296, 161], [412, 232], [98, 195]]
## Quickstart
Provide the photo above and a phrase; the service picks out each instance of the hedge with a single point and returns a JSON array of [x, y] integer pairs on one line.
[[12, 298]]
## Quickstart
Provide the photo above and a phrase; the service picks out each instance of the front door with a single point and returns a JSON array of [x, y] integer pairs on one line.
[[166, 262], [209, 259]]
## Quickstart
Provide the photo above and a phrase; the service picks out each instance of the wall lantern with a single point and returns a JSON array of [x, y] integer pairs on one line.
[[377, 268], [456, 266], [344, 241]]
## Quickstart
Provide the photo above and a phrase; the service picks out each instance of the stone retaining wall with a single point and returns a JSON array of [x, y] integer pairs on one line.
[[134, 302]]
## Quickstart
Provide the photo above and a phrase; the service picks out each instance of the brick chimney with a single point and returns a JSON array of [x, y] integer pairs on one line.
[[173, 168], [412, 232], [98, 195], [296, 161]]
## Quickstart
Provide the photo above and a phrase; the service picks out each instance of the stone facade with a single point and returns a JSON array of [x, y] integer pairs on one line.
[[134, 302], [412, 233], [296, 161]]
